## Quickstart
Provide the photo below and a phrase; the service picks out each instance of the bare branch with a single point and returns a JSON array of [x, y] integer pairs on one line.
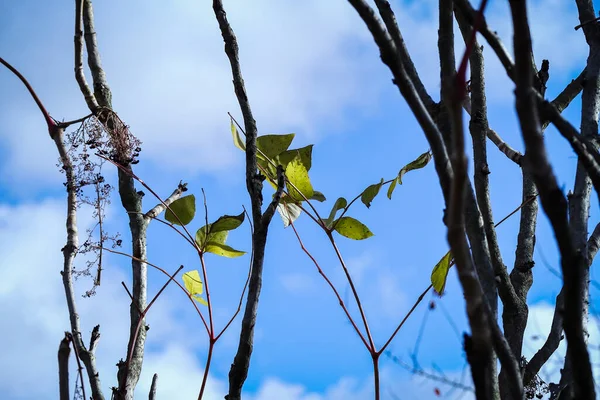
[[152, 394], [389, 19], [550, 345], [89, 97], [593, 243], [132, 203], [504, 148], [239, 368], [391, 57], [162, 206], [270, 211], [465, 9], [64, 349], [553, 201]]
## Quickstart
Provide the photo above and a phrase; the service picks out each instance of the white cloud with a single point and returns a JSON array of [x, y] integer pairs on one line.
[[306, 67]]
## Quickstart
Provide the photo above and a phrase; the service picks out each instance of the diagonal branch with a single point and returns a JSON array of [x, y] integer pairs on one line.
[[389, 19], [390, 57], [162, 206]]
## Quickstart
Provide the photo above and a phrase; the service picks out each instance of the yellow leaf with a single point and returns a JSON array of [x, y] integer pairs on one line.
[[440, 273], [194, 285], [237, 140]]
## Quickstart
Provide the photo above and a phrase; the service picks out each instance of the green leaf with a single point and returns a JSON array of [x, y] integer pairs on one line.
[[318, 196], [420, 162], [273, 145], [288, 211], [391, 188], [440, 273], [370, 192], [352, 229], [184, 208], [297, 175], [237, 140], [194, 286], [305, 156], [227, 223], [221, 249], [339, 204], [202, 239]]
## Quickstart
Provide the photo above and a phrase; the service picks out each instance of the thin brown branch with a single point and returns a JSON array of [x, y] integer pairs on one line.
[[235, 314], [51, 122], [332, 286], [413, 308], [354, 292], [168, 275]]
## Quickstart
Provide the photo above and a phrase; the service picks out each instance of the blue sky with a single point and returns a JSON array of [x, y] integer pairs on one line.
[[312, 69]]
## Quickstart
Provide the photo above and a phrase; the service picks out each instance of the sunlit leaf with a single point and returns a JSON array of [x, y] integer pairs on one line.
[[391, 188], [299, 186], [420, 162], [338, 205], [352, 228], [370, 192], [305, 156], [223, 250], [184, 208], [227, 223], [318, 196], [217, 237], [440, 273], [288, 212], [273, 145], [237, 140], [194, 286]]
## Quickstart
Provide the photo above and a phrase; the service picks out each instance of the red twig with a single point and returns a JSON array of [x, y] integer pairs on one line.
[[332, 287]]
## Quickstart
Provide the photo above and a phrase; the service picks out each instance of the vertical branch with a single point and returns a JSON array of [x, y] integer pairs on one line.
[[579, 200], [69, 251], [131, 199], [64, 350], [89, 97], [241, 363], [573, 262], [152, 394]]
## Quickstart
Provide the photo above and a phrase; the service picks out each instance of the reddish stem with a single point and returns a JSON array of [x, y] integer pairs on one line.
[[52, 125], [211, 333], [375, 357], [354, 292], [143, 315], [342, 304], [211, 345]]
